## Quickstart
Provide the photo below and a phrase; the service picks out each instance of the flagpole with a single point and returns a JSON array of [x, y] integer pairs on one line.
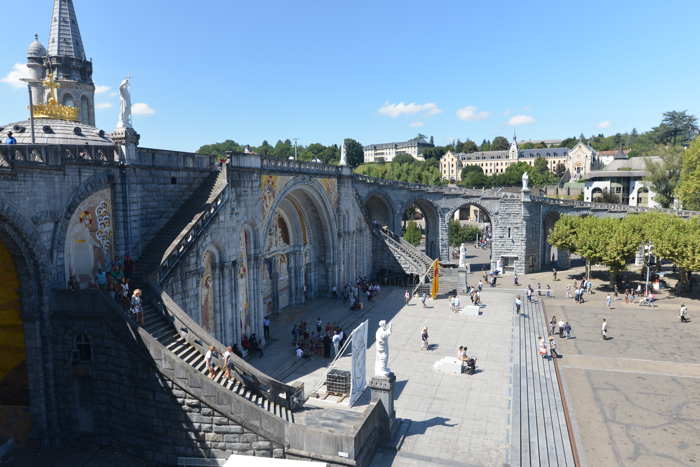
[[31, 111]]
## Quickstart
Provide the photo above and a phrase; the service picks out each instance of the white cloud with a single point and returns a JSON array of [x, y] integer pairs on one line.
[[417, 124], [396, 110], [103, 105], [507, 112], [140, 108], [526, 108], [604, 124], [516, 120], [14, 77], [99, 89], [470, 112]]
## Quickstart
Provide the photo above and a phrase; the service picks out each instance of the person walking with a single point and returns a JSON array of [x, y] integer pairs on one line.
[[137, 306], [609, 301], [604, 329], [553, 324], [554, 273], [424, 338], [561, 325], [480, 285], [529, 295], [228, 362], [423, 298], [549, 291], [683, 313], [553, 348], [567, 329], [266, 328], [407, 296], [518, 304], [457, 304], [515, 278], [209, 359]]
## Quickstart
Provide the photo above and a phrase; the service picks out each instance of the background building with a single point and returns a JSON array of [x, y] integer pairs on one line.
[[387, 151], [623, 179], [577, 160]]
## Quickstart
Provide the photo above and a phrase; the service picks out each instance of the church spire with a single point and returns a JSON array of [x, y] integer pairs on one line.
[[64, 39]]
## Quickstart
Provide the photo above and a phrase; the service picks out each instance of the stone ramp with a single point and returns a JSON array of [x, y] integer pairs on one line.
[[539, 432]]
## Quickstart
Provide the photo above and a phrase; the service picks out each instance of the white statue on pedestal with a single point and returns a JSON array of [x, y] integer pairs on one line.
[[343, 154], [125, 105], [382, 357], [463, 255], [526, 177]]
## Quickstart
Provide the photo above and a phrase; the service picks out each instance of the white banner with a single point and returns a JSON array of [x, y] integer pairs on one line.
[[358, 375]]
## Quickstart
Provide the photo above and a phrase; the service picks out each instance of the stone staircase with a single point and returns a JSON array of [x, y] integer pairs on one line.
[[164, 250], [539, 431], [411, 259], [163, 330], [175, 331]]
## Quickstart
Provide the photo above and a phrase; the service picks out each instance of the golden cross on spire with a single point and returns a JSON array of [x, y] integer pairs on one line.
[[51, 85]]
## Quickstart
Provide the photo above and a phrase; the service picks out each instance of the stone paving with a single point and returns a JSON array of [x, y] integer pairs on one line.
[[446, 419], [635, 398]]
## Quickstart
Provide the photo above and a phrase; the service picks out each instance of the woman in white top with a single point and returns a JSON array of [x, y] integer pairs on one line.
[[137, 306], [209, 360], [228, 362]]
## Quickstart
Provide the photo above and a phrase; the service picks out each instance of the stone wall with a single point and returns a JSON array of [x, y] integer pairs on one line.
[[118, 397]]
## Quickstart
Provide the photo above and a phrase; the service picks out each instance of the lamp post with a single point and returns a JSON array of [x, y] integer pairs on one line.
[[647, 260]]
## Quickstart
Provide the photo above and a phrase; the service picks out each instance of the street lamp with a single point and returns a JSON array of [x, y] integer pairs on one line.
[[648, 248]]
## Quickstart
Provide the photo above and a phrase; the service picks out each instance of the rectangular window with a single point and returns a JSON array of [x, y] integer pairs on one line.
[[508, 232]]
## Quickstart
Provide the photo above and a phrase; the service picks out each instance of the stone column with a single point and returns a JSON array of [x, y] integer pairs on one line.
[[443, 238], [126, 140], [382, 388]]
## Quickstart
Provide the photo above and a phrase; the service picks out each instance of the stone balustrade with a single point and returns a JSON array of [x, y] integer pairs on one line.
[[43, 155]]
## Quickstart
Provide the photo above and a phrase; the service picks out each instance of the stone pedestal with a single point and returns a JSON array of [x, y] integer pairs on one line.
[[463, 280], [127, 140], [564, 259], [382, 388], [526, 194]]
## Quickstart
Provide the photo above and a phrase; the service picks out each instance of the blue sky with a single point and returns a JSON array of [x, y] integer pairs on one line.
[[376, 71]]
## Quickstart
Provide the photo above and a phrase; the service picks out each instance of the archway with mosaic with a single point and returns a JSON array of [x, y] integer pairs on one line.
[[298, 257]]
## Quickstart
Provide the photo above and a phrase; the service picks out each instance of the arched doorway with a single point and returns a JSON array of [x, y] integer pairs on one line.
[[597, 195], [550, 254], [470, 224], [298, 257], [379, 211], [643, 197], [15, 418], [207, 295], [419, 224]]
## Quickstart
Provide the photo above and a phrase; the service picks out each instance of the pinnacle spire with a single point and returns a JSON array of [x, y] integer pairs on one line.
[[64, 39]]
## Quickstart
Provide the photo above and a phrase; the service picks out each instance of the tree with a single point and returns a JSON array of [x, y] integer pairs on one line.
[[458, 234], [468, 146], [413, 234], [355, 153], [688, 190], [219, 149], [420, 137], [663, 176], [677, 127], [560, 170], [568, 143], [621, 245], [403, 158], [265, 149], [500, 143], [485, 145], [283, 149]]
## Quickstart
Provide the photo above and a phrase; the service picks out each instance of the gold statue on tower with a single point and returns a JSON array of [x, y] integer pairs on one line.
[[52, 109]]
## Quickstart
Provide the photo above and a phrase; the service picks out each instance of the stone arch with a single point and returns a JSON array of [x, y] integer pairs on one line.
[[432, 223], [311, 256], [550, 254], [596, 194], [208, 291], [487, 222], [379, 208], [24, 314], [84, 109], [92, 185], [68, 100]]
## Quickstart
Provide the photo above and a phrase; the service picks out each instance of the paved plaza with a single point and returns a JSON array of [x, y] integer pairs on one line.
[[633, 398], [445, 419]]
